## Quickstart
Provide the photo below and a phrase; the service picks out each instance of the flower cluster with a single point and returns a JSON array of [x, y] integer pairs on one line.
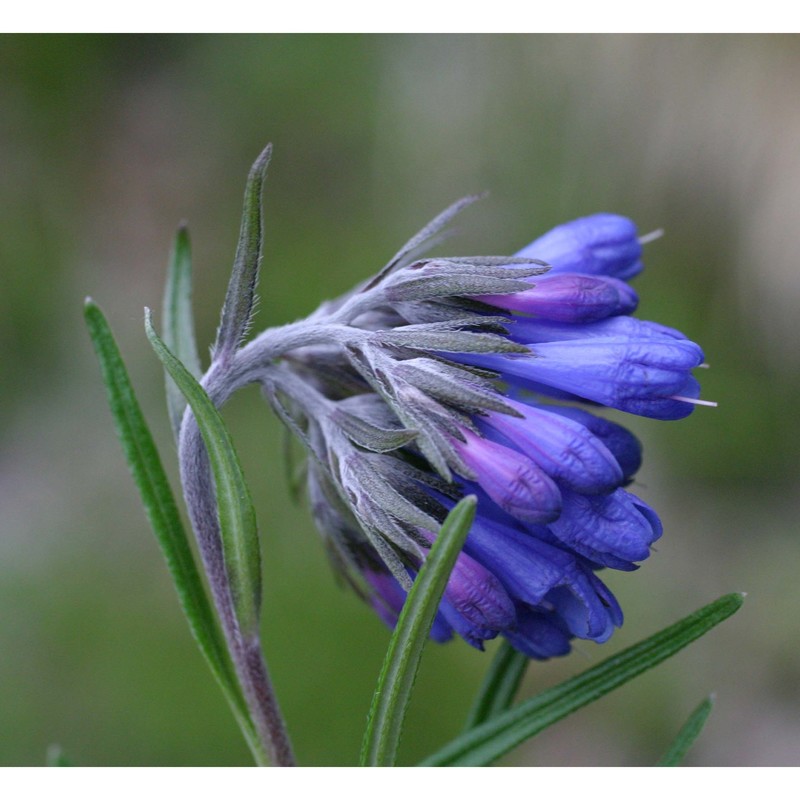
[[442, 377]]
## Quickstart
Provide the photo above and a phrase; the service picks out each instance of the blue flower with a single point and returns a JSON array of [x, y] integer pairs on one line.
[[570, 297], [602, 244], [647, 374], [443, 377]]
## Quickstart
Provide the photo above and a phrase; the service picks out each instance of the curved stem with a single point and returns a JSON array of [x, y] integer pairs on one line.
[[246, 652], [247, 365], [272, 343]]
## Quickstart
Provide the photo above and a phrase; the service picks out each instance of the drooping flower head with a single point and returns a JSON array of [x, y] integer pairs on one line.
[[441, 377]]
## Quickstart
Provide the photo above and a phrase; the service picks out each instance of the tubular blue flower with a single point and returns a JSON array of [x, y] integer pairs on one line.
[[563, 448], [601, 244], [540, 634], [614, 530], [511, 479], [649, 375], [443, 377], [570, 297], [477, 595], [623, 445]]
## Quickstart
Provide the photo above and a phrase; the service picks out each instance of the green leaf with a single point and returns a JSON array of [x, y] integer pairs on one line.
[[393, 692], [237, 516], [240, 297], [497, 736], [686, 736], [499, 686], [159, 503], [178, 323]]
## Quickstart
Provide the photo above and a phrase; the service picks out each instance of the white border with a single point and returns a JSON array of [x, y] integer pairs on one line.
[[411, 16], [397, 784]]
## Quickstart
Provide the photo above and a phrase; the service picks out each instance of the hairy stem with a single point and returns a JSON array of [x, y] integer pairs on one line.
[[246, 653]]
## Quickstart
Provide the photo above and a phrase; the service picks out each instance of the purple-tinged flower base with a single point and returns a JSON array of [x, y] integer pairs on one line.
[[570, 297], [476, 595], [388, 597], [510, 478]]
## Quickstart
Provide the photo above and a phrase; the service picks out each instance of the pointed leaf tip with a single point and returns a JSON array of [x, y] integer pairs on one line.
[[240, 297], [263, 159], [687, 735], [179, 335]]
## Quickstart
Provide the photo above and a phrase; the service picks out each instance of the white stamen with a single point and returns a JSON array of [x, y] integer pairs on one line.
[[694, 401], [704, 366], [652, 236]]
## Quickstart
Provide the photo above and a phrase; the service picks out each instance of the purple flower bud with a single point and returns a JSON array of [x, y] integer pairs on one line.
[[539, 634], [636, 375], [570, 297], [511, 479], [388, 599], [614, 530], [471, 633], [528, 330], [626, 448], [601, 244], [527, 567], [477, 595], [564, 448], [587, 613]]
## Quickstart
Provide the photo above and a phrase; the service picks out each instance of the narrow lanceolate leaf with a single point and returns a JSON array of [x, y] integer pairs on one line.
[[162, 511], [390, 702], [499, 686], [687, 735], [240, 297], [178, 322], [500, 734], [237, 518]]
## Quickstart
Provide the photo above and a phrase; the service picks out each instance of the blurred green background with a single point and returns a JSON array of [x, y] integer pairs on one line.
[[107, 142]]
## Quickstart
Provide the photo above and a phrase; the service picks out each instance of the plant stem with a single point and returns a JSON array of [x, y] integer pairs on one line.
[[269, 720], [220, 382], [246, 653]]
